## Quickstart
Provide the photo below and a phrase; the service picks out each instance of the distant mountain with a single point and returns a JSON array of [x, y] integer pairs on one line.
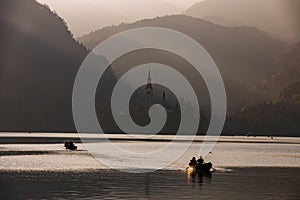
[[83, 16], [39, 60], [283, 85], [274, 104], [244, 55], [277, 17]]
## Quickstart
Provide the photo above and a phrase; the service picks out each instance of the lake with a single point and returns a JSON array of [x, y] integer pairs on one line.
[[238, 183], [35, 166]]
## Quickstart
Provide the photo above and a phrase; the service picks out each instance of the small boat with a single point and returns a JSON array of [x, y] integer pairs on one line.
[[200, 168], [70, 145]]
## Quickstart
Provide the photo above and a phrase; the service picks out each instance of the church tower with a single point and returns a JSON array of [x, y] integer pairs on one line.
[[149, 89]]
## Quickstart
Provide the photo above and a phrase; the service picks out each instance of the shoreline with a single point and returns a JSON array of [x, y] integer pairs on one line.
[[217, 170], [58, 138]]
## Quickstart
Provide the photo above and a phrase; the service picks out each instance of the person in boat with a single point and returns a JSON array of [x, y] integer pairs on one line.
[[200, 161], [193, 162], [70, 145]]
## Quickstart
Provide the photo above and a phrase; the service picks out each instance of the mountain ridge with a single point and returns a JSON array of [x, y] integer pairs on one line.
[[244, 55], [279, 18]]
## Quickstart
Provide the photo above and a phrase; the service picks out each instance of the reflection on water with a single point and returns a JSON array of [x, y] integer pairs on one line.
[[199, 178], [247, 183]]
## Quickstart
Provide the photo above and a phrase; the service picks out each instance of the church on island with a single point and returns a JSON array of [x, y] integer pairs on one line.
[[157, 96]]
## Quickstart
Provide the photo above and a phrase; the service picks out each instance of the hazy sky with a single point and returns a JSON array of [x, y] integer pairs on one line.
[[84, 16]]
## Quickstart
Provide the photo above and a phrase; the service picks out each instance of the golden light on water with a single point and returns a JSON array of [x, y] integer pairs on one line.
[[190, 169]]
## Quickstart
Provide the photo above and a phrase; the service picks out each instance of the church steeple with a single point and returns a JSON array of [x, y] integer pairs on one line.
[[149, 81], [149, 91]]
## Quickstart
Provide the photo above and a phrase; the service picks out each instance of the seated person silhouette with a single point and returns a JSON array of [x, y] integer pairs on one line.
[[200, 161], [193, 162]]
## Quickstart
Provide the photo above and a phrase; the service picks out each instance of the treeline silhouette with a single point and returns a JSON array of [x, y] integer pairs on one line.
[[270, 119]]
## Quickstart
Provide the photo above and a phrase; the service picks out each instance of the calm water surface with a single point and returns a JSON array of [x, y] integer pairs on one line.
[[240, 183]]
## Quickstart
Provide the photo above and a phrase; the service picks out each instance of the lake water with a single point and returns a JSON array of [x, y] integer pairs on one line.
[[38, 167], [240, 183]]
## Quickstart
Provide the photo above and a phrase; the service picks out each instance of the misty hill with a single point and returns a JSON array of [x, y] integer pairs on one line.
[[274, 103], [283, 85], [244, 55], [38, 63], [84, 16], [277, 17]]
